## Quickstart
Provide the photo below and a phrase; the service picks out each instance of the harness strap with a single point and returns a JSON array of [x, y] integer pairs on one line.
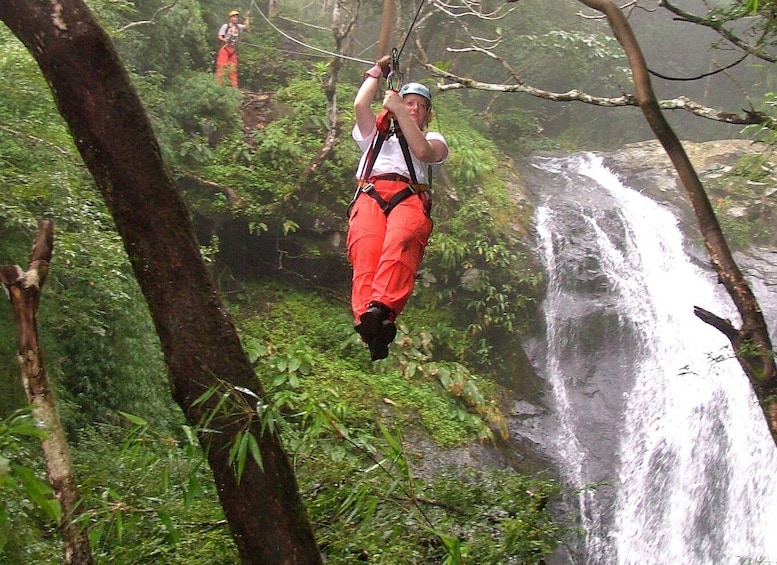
[[368, 188], [372, 156], [408, 159], [394, 201]]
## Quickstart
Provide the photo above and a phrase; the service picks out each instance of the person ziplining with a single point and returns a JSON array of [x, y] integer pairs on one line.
[[226, 58], [389, 221]]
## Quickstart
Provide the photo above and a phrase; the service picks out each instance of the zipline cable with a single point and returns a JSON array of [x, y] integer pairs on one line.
[[297, 41], [324, 51], [407, 36]]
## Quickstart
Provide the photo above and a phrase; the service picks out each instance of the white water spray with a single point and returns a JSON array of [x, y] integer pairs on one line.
[[693, 461]]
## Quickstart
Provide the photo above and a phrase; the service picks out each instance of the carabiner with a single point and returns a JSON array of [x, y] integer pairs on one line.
[[394, 74]]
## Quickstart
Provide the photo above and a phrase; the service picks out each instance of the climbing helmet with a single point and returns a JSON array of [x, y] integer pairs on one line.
[[417, 88]]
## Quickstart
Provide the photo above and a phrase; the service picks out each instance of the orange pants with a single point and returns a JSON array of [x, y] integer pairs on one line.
[[386, 251], [227, 58]]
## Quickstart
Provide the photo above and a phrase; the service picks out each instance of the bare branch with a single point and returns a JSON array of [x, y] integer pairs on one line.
[[458, 12], [628, 7], [471, 9], [717, 26], [146, 22], [64, 152], [513, 73], [752, 343], [748, 117], [233, 197]]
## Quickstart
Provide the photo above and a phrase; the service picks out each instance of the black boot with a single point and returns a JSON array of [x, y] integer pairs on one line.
[[376, 329], [386, 334]]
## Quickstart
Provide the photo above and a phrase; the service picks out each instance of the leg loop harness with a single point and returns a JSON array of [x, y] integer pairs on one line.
[[369, 189]]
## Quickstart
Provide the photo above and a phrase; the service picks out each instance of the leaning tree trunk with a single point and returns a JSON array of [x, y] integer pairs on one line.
[[751, 343], [202, 350], [24, 291]]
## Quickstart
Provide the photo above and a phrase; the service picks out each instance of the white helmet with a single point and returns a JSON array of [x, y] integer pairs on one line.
[[416, 88]]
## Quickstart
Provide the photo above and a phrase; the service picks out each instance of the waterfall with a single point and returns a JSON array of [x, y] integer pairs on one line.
[[657, 428]]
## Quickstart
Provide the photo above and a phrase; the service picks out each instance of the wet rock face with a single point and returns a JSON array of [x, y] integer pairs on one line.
[[759, 264], [593, 348], [739, 200]]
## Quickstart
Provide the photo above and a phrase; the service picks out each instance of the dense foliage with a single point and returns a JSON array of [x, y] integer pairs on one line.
[[145, 485], [364, 437]]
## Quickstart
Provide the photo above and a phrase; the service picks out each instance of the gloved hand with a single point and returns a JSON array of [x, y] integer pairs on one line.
[[385, 65]]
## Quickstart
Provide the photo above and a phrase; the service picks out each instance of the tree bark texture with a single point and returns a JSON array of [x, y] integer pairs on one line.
[[386, 27], [751, 343], [202, 350], [24, 291]]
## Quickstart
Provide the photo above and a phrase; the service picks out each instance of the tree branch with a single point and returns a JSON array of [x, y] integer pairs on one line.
[[146, 22], [717, 26], [752, 343], [701, 76], [24, 288], [748, 117], [234, 198]]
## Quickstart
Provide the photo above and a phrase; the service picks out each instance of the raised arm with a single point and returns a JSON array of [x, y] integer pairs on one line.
[[362, 104]]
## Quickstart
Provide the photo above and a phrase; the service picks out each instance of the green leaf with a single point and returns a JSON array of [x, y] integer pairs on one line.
[[247, 391], [28, 430], [38, 491], [167, 522], [118, 523], [137, 420], [256, 453], [96, 534], [204, 396], [453, 546], [394, 442], [238, 452]]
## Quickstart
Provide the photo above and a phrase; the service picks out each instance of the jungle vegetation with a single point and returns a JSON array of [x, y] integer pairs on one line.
[[366, 440]]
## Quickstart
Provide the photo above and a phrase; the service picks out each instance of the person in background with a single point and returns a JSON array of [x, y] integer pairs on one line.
[[226, 59], [389, 221]]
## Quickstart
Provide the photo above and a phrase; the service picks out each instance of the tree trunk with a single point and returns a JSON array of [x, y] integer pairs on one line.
[[341, 32], [386, 27], [272, 8], [24, 291], [202, 350], [751, 343]]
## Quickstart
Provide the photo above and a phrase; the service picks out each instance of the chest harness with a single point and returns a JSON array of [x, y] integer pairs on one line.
[[385, 127], [231, 35]]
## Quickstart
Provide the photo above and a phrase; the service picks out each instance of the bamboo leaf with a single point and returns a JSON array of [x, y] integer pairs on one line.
[[167, 522], [256, 453], [39, 492], [137, 420], [242, 451]]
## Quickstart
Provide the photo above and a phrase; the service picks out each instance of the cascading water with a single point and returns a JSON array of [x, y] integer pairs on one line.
[[656, 423]]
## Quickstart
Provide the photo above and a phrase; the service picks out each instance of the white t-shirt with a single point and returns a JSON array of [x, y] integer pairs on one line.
[[390, 158]]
